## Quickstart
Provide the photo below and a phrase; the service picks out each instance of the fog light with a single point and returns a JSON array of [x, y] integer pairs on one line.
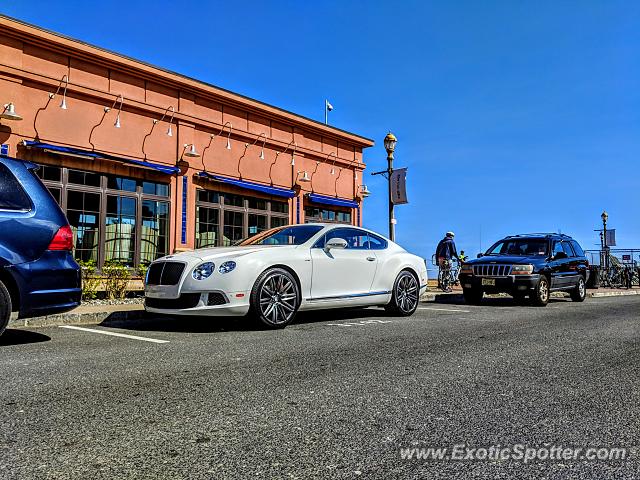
[[522, 287]]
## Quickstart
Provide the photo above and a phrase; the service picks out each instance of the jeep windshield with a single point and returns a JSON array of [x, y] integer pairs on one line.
[[520, 246]]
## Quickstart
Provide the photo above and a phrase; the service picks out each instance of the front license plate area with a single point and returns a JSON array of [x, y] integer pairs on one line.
[[488, 282]]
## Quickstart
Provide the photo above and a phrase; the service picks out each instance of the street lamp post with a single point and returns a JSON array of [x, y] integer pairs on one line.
[[390, 145], [605, 248]]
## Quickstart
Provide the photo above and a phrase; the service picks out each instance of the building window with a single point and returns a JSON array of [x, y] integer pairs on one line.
[[223, 219], [326, 215], [113, 218]]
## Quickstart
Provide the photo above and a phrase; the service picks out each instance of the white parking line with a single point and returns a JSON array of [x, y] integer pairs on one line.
[[114, 334], [444, 309], [356, 324]]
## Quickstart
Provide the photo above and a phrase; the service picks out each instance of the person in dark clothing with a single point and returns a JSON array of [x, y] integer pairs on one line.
[[445, 253]]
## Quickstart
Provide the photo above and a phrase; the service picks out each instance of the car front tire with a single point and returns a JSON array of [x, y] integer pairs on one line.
[[405, 296], [275, 298], [579, 293], [5, 307], [540, 295]]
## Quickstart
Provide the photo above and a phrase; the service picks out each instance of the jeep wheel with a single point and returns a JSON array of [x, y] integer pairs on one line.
[[472, 296], [540, 295], [579, 293], [5, 307]]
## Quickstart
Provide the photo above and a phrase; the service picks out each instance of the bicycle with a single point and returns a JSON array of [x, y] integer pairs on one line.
[[448, 275]]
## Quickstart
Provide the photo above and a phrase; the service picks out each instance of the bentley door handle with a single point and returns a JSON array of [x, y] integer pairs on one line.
[[371, 259]]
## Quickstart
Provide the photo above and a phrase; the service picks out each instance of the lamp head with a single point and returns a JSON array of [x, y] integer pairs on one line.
[[9, 112], [604, 216], [191, 152], [365, 192], [304, 178], [390, 142]]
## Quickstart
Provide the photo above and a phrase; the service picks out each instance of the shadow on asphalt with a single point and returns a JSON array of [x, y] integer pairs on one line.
[[20, 337], [203, 324], [491, 301]]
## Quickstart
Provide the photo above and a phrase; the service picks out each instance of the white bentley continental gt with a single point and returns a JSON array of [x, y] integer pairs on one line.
[[281, 271]]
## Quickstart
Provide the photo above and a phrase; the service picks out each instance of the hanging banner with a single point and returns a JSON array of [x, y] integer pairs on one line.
[[399, 186], [611, 238]]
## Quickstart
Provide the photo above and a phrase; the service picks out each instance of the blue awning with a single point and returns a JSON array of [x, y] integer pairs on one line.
[[338, 202], [168, 169], [256, 187]]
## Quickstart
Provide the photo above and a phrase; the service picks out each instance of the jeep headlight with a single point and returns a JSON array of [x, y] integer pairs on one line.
[[466, 269], [202, 271], [522, 270], [226, 267]]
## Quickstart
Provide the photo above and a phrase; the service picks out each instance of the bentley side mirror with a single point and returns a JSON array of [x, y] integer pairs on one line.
[[335, 243]]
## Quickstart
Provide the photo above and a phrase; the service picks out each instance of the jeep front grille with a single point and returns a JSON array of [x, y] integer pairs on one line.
[[492, 270]]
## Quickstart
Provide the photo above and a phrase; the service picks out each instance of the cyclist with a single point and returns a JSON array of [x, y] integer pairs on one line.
[[445, 253], [462, 257]]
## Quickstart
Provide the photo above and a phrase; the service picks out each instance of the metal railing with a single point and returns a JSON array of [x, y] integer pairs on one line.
[[615, 267]]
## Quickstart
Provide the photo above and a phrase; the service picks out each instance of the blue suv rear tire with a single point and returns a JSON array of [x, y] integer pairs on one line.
[[5, 307]]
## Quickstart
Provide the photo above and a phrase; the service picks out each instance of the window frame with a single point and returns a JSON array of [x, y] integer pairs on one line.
[[221, 206], [104, 192]]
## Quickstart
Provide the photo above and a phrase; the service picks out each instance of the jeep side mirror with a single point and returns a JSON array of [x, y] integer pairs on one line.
[[479, 255], [560, 256]]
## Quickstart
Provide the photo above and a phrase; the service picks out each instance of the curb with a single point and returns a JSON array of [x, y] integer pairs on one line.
[[71, 318], [94, 318]]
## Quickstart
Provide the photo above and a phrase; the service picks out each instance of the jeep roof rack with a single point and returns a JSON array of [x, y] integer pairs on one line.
[[539, 234]]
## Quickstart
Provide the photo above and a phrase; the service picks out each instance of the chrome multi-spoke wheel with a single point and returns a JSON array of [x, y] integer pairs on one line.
[[406, 294], [275, 298], [541, 294], [580, 292]]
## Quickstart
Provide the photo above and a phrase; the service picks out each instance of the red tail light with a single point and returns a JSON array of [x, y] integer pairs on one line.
[[62, 240]]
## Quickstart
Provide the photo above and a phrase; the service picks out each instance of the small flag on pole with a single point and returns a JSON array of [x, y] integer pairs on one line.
[[327, 108]]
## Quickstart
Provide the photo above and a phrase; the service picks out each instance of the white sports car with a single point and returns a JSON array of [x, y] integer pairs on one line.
[[278, 272]]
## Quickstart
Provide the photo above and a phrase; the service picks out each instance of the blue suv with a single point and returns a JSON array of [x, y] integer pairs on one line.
[[532, 265], [38, 275]]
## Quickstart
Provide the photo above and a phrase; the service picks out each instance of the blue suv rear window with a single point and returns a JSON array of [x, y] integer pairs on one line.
[[12, 195]]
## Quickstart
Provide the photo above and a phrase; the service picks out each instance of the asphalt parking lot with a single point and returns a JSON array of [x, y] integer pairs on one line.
[[336, 395]]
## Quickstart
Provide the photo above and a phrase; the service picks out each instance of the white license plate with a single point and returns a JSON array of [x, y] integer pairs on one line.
[[489, 282]]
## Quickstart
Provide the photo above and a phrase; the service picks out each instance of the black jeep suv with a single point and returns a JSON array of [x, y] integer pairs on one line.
[[528, 265]]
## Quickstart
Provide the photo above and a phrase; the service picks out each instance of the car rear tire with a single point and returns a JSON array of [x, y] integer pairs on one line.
[[472, 296], [275, 298], [580, 292], [540, 295], [405, 295], [5, 307]]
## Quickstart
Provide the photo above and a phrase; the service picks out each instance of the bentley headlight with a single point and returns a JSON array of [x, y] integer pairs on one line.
[[204, 270], [226, 267], [522, 270]]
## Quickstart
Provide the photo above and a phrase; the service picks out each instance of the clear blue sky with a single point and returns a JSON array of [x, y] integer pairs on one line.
[[511, 116]]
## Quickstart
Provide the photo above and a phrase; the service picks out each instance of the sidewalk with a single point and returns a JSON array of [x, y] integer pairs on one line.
[[95, 314]]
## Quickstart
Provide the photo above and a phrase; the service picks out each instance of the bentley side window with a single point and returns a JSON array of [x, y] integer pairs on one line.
[[376, 243], [356, 239]]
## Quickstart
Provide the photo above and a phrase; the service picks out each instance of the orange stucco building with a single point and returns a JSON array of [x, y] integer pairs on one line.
[[146, 162]]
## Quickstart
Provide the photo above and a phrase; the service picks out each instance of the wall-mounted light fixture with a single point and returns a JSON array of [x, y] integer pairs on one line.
[[153, 126], [293, 158], [117, 122], [192, 152], [9, 112], [63, 103], [264, 140], [313, 173], [333, 170], [364, 191], [302, 179]]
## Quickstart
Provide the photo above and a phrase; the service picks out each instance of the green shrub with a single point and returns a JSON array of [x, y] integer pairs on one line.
[[116, 279], [142, 270], [90, 280]]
